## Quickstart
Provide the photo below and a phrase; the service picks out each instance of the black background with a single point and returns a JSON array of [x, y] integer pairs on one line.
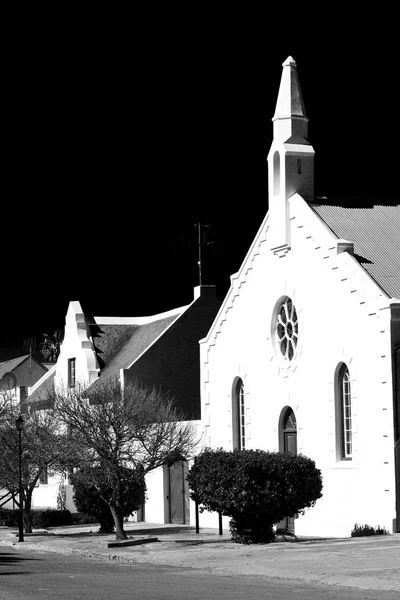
[[122, 131]]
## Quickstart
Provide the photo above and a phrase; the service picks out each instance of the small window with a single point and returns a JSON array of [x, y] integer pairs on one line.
[[71, 372], [44, 478], [298, 166], [239, 416], [344, 414]]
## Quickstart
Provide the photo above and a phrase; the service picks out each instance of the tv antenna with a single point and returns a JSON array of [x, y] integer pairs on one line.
[[201, 244]]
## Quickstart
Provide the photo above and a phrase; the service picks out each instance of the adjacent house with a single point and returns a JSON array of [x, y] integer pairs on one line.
[[160, 350], [303, 355], [17, 375]]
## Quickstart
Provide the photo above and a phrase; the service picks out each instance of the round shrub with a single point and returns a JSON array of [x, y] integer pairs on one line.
[[93, 492], [257, 489]]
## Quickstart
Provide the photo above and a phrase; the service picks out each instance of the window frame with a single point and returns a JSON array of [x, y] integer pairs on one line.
[[71, 372], [44, 476], [285, 331], [238, 415], [344, 409]]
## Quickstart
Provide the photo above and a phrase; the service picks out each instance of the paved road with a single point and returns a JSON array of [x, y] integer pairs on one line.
[[42, 576]]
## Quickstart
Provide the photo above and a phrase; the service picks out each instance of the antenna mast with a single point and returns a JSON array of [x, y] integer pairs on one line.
[[199, 241], [202, 241]]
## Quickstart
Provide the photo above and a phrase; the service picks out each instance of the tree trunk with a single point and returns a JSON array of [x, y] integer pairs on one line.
[[119, 524], [28, 511]]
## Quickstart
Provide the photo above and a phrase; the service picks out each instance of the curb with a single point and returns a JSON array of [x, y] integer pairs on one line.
[[70, 551], [134, 542]]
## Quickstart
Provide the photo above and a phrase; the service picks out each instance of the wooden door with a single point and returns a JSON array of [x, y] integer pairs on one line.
[[178, 493]]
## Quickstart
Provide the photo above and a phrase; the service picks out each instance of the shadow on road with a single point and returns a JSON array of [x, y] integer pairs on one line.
[[10, 559]]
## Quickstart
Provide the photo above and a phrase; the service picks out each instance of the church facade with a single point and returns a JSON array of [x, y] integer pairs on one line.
[[303, 355]]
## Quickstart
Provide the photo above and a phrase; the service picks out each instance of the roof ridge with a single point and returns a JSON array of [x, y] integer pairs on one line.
[[140, 320]]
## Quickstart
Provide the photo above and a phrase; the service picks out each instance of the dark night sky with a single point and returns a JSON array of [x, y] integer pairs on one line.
[[122, 133]]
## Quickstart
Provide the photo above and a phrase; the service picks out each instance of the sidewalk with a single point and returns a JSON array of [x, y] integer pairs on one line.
[[366, 562]]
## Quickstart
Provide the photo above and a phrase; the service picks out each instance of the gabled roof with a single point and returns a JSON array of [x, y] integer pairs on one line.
[[40, 389], [10, 365], [118, 346], [375, 231], [118, 342]]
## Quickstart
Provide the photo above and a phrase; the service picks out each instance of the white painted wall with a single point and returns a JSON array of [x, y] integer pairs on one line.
[[76, 345], [343, 316]]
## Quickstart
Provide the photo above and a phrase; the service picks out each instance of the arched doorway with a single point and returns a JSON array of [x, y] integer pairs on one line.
[[287, 444], [289, 432]]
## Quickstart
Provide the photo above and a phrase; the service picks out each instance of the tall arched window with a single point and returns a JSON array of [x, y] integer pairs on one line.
[[344, 414], [238, 416]]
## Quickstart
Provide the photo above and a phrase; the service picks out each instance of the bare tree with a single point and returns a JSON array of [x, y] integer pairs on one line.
[[45, 451], [135, 428], [50, 345], [5, 403]]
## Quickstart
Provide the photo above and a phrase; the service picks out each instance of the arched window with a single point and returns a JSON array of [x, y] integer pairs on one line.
[[238, 416], [344, 415]]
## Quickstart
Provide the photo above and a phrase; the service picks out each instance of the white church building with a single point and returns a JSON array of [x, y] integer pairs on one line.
[[303, 355]]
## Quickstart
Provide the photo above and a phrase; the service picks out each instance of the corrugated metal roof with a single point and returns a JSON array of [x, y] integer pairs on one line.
[[10, 365], [375, 232]]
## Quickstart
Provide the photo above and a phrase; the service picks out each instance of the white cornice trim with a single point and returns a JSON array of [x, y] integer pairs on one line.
[[140, 320]]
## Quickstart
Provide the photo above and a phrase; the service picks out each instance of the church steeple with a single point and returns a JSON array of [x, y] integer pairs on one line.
[[291, 157], [290, 119]]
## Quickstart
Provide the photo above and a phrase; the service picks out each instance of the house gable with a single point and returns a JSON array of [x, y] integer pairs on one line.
[[78, 347], [26, 370]]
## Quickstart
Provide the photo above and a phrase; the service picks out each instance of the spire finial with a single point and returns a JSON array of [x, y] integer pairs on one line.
[[290, 104], [289, 62]]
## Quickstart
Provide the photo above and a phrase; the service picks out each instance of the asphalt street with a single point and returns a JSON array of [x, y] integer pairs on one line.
[[42, 576], [366, 567]]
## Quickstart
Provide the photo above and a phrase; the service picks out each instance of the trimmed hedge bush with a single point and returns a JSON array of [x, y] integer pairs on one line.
[[257, 489], [89, 500], [83, 519], [51, 518], [365, 530], [41, 519]]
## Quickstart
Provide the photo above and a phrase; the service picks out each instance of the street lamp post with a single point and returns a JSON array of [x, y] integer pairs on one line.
[[19, 424]]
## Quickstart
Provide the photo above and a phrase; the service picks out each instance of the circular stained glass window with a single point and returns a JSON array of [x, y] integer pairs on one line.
[[287, 329]]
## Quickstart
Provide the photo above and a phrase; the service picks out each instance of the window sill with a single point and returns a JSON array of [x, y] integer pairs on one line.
[[345, 464]]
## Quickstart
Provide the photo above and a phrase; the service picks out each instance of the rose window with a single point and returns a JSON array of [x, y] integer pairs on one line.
[[287, 329]]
